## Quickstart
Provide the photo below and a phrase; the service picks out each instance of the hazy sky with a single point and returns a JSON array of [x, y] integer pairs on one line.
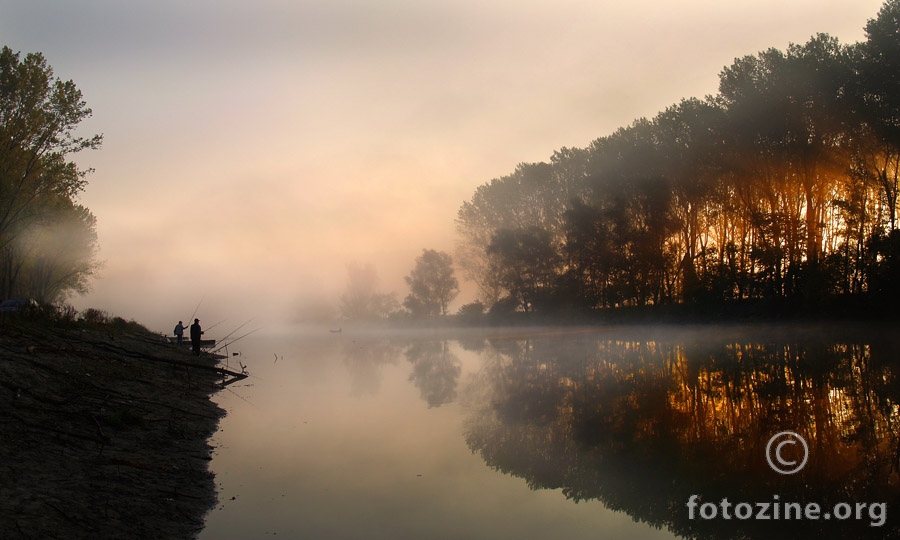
[[253, 148]]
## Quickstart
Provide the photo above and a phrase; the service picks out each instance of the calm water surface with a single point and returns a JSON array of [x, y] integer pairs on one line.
[[574, 433]]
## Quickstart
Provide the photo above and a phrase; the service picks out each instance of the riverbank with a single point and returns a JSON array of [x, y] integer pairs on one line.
[[104, 433], [838, 309]]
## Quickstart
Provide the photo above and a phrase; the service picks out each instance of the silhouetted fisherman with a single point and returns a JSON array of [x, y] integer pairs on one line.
[[195, 336], [179, 333]]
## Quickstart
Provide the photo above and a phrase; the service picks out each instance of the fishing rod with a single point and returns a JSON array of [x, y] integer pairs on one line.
[[215, 325], [236, 329], [196, 308], [240, 396], [234, 340]]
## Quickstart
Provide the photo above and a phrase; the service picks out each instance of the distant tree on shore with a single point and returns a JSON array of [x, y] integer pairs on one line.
[[432, 284], [361, 300], [47, 240]]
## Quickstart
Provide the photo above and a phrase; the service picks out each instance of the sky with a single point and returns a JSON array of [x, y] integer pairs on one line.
[[253, 148]]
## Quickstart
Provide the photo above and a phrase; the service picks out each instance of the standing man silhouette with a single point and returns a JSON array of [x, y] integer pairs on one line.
[[195, 336], [179, 333]]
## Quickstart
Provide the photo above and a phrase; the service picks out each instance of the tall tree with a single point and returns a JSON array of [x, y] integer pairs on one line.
[[878, 98], [432, 285], [880, 65], [525, 263], [39, 115], [689, 141], [534, 195], [789, 140]]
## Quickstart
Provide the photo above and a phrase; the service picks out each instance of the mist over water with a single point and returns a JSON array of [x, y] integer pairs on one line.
[[498, 434], [353, 436]]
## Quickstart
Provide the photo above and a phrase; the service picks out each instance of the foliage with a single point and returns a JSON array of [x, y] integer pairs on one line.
[[524, 262], [47, 240], [534, 195], [472, 310], [432, 284], [784, 185], [66, 316]]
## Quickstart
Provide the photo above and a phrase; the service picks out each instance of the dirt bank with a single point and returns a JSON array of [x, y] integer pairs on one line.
[[103, 434]]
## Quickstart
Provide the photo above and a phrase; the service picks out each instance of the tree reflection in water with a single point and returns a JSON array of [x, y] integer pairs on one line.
[[364, 359], [435, 371], [641, 423]]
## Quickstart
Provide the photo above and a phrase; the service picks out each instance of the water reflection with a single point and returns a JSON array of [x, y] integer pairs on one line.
[[642, 423], [365, 359], [382, 436], [435, 371], [342, 437]]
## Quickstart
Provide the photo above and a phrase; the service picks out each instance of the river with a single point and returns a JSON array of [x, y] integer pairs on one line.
[[627, 432]]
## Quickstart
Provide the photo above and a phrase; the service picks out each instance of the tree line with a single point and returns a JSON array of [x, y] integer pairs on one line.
[[783, 185], [432, 286], [47, 240]]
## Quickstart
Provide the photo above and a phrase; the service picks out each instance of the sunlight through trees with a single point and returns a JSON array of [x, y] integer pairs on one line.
[[783, 185]]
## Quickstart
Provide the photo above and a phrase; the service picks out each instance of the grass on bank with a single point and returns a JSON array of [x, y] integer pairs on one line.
[[67, 317]]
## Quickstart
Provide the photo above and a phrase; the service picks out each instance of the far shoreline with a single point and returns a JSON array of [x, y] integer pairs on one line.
[[848, 311]]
